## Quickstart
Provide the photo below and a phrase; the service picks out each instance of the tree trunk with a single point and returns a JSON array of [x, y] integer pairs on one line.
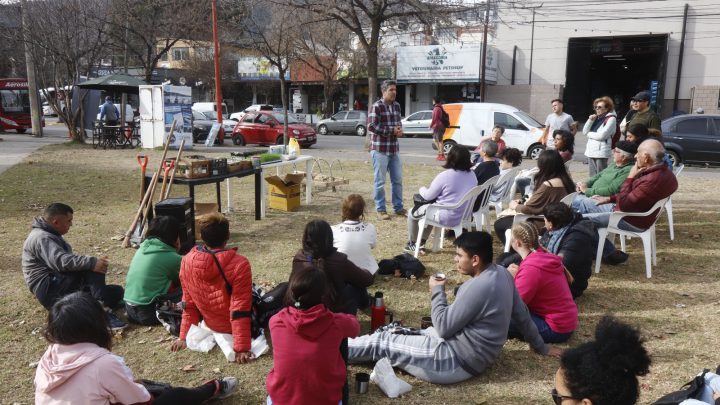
[[372, 68], [285, 106], [327, 95]]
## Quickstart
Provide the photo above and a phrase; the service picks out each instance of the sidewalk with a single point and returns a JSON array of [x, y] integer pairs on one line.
[[15, 147]]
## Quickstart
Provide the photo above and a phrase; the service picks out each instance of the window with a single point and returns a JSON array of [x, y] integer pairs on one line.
[[427, 115], [164, 56], [508, 121], [17, 101], [248, 118], [181, 53], [717, 125], [339, 116], [354, 115], [693, 126], [263, 119]]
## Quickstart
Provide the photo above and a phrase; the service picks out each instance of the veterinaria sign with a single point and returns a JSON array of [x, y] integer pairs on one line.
[[444, 63]]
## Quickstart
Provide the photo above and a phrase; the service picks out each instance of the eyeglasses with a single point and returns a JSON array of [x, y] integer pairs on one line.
[[560, 398], [599, 107]]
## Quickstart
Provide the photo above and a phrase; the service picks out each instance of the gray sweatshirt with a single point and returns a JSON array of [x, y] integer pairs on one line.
[[476, 324], [45, 252]]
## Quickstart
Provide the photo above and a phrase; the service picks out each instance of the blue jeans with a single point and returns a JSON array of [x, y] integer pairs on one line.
[[382, 164], [600, 216], [548, 335]]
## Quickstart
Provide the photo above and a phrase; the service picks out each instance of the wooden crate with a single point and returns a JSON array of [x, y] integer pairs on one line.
[[238, 166], [193, 168]]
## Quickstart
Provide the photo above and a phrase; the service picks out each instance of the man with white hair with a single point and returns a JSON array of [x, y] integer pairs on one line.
[[649, 181]]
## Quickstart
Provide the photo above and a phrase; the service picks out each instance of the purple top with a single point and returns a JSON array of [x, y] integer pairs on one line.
[[449, 187]]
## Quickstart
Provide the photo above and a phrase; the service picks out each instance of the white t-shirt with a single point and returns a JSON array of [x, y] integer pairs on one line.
[[356, 239], [553, 122]]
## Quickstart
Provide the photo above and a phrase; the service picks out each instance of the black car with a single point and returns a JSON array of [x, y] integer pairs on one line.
[[201, 127], [693, 138]]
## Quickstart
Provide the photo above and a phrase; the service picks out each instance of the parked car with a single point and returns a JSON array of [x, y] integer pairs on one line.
[[471, 121], [203, 122], [354, 122], [205, 107], [266, 128], [692, 139], [417, 123]]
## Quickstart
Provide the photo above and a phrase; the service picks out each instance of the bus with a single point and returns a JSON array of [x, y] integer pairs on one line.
[[15, 105]]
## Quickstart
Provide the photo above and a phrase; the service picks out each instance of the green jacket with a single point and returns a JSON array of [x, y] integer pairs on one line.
[[649, 118], [153, 269], [608, 181]]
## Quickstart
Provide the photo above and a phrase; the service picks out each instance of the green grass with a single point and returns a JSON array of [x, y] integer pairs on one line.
[[102, 187]]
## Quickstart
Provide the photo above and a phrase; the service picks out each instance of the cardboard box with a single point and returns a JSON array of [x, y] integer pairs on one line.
[[200, 210], [284, 193]]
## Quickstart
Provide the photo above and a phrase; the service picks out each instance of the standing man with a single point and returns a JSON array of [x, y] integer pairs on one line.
[[644, 115], [51, 269], [557, 120], [438, 127], [471, 331], [108, 112], [385, 128]]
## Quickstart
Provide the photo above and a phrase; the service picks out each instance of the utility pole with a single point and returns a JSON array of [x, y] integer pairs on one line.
[[32, 82], [532, 43], [484, 52], [216, 57]]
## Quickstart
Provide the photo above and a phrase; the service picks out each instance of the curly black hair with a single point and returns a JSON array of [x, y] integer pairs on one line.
[[606, 370]]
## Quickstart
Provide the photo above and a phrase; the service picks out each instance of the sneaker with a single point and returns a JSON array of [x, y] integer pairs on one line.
[[116, 324], [410, 248], [401, 212], [440, 157], [225, 387], [615, 258], [383, 215]]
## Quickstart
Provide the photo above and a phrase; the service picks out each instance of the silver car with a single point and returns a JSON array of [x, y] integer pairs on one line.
[[417, 123], [354, 122]]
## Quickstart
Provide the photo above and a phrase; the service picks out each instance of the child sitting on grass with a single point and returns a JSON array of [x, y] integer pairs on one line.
[[79, 367]]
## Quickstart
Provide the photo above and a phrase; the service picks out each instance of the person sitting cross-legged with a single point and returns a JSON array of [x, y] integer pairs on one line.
[[649, 181], [468, 334], [51, 269], [154, 273]]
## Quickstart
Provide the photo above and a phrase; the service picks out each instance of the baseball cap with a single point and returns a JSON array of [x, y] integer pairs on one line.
[[627, 146], [642, 96]]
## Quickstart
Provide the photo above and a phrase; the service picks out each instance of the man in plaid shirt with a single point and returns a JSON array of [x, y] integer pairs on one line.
[[385, 128]]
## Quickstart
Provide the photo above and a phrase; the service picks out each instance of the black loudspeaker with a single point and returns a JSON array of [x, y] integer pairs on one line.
[[179, 208]]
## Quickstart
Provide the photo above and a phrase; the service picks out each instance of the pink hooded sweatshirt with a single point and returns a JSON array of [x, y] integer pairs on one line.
[[85, 373], [543, 287]]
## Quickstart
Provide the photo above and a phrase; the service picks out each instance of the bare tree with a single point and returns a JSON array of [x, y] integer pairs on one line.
[[271, 30], [146, 30], [67, 43], [321, 46]]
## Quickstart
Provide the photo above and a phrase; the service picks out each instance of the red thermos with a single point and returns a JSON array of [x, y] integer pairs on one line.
[[378, 312]]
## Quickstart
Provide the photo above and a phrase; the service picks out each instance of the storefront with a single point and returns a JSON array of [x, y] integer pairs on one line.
[[450, 71]]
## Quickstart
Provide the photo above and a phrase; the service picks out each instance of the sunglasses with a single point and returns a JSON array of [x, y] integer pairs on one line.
[[600, 107], [558, 399]]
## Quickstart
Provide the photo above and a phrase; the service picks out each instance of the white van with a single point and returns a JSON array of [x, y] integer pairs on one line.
[[207, 106], [471, 121]]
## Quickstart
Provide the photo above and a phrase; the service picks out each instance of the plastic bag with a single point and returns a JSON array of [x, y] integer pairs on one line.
[[293, 147], [385, 378], [199, 339]]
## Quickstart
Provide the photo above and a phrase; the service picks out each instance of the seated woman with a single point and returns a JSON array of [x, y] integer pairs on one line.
[[448, 187], [353, 236], [217, 288], [154, 274], [307, 367], [552, 183], [564, 144], [347, 282], [603, 371], [543, 286], [511, 158], [573, 238], [495, 136], [78, 366]]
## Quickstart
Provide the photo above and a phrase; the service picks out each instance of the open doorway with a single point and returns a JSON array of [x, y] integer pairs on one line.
[[618, 67]]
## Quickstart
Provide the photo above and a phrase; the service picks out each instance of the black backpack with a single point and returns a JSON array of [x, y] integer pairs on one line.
[[444, 118], [266, 305], [691, 390]]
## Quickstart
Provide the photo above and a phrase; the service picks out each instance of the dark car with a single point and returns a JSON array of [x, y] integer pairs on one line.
[[353, 122], [201, 127], [266, 128], [693, 139]]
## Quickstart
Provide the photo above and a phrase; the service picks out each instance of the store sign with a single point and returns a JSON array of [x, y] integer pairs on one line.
[[257, 68], [444, 63]]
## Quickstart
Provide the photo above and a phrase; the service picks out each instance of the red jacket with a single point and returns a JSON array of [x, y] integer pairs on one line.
[[543, 287], [436, 121], [205, 294], [307, 365], [642, 192]]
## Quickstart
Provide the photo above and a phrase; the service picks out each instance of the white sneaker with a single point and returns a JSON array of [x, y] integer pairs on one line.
[[228, 386]]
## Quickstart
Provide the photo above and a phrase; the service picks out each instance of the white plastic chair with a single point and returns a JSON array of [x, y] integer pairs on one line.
[[439, 232], [506, 180], [668, 207], [567, 200], [647, 236], [482, 215]]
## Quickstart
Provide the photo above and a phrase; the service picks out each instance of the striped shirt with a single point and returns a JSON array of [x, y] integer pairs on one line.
[[382, 120]]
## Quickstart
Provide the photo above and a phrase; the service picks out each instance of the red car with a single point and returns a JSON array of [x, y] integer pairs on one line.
[[266, 128]]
